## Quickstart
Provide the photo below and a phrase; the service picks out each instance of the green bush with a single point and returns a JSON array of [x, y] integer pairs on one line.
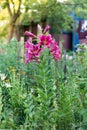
[[43, 96]]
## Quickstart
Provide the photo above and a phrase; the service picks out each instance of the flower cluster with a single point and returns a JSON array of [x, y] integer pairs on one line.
[[44, 40]]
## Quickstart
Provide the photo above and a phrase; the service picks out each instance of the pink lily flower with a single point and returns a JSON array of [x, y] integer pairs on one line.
[[45, 40], [32, 52], [55, 50], [28, 44]]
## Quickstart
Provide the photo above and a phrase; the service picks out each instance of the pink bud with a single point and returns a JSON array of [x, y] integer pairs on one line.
[[47, 29], [29, 34]]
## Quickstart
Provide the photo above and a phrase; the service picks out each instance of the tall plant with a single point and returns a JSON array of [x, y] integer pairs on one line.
[[42, 108]]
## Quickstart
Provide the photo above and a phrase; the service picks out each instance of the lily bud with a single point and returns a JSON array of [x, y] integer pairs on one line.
[[30, 34], [46, 29]]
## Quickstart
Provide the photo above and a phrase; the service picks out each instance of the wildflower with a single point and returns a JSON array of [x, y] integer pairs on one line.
[[2, 76], [8, 85], [46, 29], [22, 73], [69, 57], [7, 80], [32, 52], [45, 40], [30, 34]]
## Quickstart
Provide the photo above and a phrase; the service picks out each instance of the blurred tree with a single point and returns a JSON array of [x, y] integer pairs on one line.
[[55, 13], [14, 12], [13, 7], [3, 22], [79, 7], [59, 16]]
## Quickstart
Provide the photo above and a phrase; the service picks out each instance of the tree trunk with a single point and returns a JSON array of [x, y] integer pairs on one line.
[[11, 32], [13, 17]]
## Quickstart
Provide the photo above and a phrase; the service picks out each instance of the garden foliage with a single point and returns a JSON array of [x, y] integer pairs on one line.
[[45, 94]]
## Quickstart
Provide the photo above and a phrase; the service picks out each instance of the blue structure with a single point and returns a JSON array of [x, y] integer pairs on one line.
[[75, 40], [75, 33]]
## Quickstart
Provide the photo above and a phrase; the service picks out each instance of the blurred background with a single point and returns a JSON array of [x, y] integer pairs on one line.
[[67, 19]]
